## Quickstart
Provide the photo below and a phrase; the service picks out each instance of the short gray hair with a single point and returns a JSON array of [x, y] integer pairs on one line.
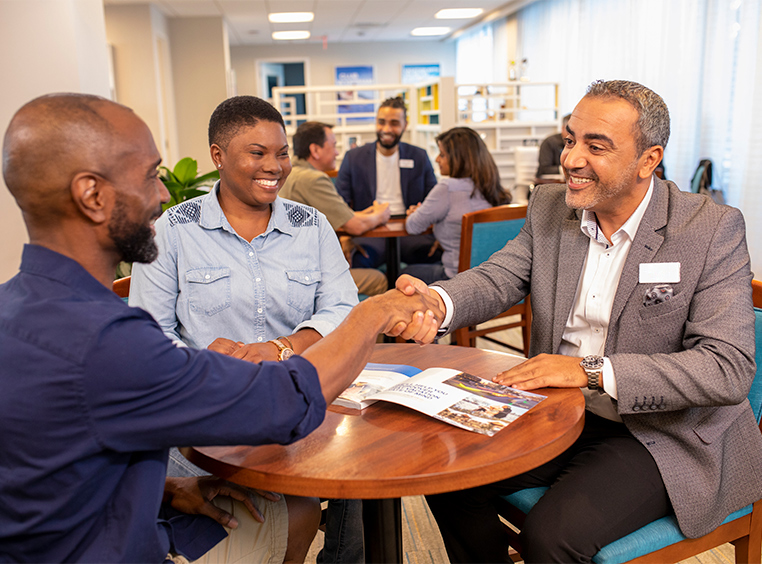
[[653, 115]]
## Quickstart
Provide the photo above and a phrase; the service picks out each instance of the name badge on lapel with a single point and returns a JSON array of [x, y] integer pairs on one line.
[[659, 273], [407, 163]]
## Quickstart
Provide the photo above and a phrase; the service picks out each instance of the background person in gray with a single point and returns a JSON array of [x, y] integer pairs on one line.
[[668, 428]]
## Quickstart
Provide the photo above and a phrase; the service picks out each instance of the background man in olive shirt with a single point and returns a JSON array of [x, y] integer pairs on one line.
[[315, 154]]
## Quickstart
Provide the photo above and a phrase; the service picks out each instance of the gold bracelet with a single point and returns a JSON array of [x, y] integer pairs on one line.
[[290, 344]]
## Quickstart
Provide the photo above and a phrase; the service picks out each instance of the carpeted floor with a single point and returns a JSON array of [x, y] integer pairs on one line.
[[421, 541]]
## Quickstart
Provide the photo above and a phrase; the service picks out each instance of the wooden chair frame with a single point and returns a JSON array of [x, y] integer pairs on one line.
[[466, 336], [121, 287], [745, 533]]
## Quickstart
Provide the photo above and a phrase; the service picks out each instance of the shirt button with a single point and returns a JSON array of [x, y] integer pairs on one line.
[[259, 338], [251, 253], [306, 277], [258, 279], [259, 310], [207, 277]]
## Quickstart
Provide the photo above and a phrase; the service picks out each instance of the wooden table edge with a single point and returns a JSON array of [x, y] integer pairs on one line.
[[397, 486]]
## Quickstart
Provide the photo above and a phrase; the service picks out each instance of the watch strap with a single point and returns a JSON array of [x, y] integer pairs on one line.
[[281, 349], [290, 344], [593, 367]]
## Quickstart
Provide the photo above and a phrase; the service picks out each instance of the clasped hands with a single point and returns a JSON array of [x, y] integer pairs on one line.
[[416, 313], [541, 371]]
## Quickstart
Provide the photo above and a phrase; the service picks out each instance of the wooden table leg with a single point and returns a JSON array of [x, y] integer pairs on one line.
[[382, 530]]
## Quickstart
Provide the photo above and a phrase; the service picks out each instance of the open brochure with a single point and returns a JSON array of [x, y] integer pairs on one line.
[[452, 396]]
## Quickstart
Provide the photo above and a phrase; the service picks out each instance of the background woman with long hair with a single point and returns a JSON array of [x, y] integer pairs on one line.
[[470, 182]]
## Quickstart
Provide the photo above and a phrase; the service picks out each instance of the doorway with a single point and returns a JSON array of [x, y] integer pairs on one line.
[[283, 73]]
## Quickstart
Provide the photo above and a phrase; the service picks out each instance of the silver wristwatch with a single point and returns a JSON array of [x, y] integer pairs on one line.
[[593, 367]]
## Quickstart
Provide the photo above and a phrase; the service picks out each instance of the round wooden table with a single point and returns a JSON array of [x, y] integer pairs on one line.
[[387, 451]]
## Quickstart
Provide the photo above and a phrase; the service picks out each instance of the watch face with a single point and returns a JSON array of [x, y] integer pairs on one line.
[[592, 362], [286, 354]]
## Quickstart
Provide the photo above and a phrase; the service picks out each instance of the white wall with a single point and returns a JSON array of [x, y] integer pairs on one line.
[[48, 46], [135, 32], [201, 70], [386, 58]]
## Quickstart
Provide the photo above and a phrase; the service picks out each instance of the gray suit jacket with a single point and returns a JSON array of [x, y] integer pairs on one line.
[[683, 367]]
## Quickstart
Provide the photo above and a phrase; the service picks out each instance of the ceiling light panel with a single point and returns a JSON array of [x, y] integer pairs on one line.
[[291, 17], [429, 31], [458, 13], [290, 35]]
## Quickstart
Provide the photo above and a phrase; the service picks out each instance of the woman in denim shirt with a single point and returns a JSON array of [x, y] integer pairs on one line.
[[242, 271]]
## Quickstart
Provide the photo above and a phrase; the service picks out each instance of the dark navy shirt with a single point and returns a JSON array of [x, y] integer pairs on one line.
[[92, 395]]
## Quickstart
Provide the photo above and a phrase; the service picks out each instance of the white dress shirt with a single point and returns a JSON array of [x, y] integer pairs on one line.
[[588, 322], [587, 325]]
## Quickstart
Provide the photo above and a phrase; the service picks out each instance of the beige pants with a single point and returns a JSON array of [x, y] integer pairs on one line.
[[252, 541], [369, 281]]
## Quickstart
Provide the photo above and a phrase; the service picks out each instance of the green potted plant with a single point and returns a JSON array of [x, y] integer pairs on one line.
[[183, 182]]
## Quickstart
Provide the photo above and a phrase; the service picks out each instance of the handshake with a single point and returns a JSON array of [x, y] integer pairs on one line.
[[411, 311]]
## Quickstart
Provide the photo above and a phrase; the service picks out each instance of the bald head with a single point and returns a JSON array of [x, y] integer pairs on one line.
[[50, 140]]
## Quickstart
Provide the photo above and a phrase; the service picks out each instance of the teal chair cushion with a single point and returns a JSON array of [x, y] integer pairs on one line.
[[487, 238], [755, 394], [654, 536], [662, 532]]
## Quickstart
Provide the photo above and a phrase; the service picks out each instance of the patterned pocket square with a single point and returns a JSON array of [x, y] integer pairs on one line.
[[658, 294]]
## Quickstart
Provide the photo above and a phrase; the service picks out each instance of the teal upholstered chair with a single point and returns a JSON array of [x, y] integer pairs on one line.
[[661, 541], [482, 233]]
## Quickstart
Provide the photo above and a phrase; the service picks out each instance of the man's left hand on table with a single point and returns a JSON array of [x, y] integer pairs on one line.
[[545, 371]]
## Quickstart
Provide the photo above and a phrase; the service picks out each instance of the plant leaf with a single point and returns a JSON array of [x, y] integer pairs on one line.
[[188, 193], [167, 175], [185, 170], [206, 178]]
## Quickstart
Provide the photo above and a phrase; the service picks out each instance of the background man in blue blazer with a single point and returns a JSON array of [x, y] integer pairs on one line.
[[388, 171]]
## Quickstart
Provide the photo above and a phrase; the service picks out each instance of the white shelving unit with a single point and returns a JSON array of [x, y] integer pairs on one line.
[[507, 115]]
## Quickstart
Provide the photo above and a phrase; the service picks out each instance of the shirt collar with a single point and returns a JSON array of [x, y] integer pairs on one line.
[[589, 223], [212, 216], [44, 262]]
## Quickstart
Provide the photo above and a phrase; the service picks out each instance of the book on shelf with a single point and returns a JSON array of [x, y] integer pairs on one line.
[[452, 396]]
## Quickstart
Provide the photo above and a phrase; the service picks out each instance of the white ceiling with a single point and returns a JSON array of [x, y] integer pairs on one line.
[[336, 20]]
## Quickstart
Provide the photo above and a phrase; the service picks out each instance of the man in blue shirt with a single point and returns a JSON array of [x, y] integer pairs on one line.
[[93, 393]]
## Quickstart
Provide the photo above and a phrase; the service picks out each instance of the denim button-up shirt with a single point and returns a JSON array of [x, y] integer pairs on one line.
[[209, 282]]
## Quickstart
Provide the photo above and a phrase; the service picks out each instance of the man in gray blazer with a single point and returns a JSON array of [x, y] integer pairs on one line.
[[641, 296]]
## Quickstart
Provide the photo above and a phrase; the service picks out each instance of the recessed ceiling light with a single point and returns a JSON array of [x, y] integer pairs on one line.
[[458, 13], [290, 35], [427, 31], [291, 17]]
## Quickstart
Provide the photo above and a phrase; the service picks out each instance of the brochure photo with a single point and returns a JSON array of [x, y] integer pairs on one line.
[[452, 396]]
